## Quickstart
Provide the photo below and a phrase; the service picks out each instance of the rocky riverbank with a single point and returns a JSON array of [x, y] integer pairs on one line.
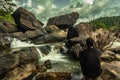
[[23, 64]]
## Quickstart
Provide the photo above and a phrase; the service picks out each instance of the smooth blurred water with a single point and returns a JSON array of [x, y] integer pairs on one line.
[[60, 62]]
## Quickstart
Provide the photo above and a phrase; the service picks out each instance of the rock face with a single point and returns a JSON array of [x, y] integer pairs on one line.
[[82, 30], [4, 42], [76, 37], [34, 33], [26, 20], [51, 37], [18, 64], [7, 62], [54, 76], [19, 35], [6, 26], [111, 71], [20, 73], [64, 21]]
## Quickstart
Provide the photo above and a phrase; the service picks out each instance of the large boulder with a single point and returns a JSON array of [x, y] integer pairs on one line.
[[64, 21], [76, 37], [26, 20], [6, 26], [82, 30]]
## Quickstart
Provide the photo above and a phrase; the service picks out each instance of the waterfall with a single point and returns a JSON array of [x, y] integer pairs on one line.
[[40, 53], [17, 44], [54, 54]]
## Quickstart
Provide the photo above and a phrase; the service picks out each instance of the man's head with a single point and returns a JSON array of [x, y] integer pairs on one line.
[[89, 42]]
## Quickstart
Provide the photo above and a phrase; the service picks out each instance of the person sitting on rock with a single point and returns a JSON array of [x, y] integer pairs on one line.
[[90, 61]]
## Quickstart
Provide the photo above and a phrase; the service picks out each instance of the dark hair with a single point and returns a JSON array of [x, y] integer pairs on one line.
[[89, 42]]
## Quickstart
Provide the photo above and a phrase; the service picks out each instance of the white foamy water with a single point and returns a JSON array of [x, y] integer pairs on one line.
[[54, 54]]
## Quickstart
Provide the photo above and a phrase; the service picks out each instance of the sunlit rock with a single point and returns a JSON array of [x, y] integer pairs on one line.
[[109, 56], [51, 28], [20, 73], [64, 21], [54, 76], [25, 20], [111, 71]]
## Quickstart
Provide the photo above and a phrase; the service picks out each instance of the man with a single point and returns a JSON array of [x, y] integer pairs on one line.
[[90, 61]]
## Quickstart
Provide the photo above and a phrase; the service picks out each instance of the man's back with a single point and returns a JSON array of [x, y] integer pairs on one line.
[[90, 62]]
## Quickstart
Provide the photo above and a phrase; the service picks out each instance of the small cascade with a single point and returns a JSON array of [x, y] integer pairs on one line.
[[40, 53], [17, 44], [54, 55]]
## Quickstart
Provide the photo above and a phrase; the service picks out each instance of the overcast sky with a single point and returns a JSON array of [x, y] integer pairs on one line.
[[87, 9]]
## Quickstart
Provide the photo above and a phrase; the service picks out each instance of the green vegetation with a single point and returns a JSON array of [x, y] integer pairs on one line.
[[6, 8], [107, 22]]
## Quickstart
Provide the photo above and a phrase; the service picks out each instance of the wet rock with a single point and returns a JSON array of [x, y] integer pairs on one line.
[[5, 42], [74, 51], [28, 55], [25, 20], [54, 76], [7, 62], [48, 64], [15, 63], [6, 26], [111, 71], [45, 49], [20, 73], [19, 35], [64, 21]]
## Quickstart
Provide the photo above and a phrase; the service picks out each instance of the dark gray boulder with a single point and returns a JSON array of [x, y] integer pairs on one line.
[[64, 21], [25, 20]]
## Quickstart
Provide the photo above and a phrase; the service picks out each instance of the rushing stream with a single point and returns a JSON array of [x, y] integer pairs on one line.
[[60, 62]]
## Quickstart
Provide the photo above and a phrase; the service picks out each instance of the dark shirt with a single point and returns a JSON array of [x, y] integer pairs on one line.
[[90, 62]]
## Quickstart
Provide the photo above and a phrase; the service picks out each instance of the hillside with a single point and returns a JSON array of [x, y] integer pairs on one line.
[[107, 22]]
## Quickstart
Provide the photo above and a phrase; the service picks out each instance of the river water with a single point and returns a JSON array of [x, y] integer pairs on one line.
[[60, 62]]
